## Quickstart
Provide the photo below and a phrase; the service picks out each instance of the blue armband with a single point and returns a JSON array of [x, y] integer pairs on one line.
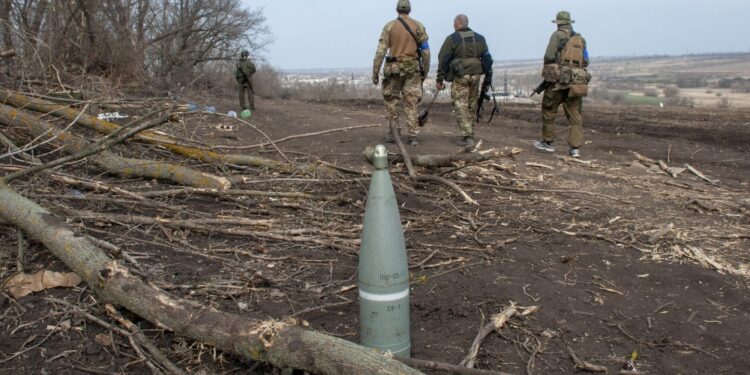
[[424, 46], [586, 54]]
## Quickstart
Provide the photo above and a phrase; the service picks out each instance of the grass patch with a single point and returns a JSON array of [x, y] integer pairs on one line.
[[642, 100]]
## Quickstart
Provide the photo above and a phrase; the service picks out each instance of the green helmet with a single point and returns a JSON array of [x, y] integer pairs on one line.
[[244, 53], [563, 18], [403, 6]]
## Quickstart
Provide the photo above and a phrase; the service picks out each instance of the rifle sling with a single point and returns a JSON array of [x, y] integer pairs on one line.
[[408, 29]]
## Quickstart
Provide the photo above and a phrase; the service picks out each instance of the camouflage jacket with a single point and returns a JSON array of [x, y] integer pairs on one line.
[[557, 42], [464, 53], [245, 71], [399, 44]]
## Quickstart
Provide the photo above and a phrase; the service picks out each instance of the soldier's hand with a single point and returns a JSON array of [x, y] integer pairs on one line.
[[439, 86], [375, 79]]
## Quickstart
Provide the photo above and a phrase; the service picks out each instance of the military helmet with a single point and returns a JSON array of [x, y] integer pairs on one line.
[[244, 53], [563, 18], [403, 6]]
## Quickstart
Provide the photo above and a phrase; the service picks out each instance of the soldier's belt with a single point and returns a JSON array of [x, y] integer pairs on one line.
[[391, 59]]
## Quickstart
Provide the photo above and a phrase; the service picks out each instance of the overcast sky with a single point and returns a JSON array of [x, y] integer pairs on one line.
[[344, 33]]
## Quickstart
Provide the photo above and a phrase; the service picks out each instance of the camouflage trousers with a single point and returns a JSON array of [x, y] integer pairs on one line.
[[572, 107], [247, 88], [408, 87], [464, 94]]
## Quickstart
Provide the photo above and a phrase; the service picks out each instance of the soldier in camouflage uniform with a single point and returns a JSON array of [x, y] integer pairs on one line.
[[403, 45], [463, 58], [244, 77], [558, 92]]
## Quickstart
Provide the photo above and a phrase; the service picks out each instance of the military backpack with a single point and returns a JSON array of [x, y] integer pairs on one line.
[[573, 73]]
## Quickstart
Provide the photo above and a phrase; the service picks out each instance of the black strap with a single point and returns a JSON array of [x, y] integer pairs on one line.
[[495, 107]]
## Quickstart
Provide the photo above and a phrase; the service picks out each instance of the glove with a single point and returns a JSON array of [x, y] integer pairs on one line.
[[375, 79]]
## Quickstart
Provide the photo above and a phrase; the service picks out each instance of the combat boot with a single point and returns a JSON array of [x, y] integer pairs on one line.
[[466, 141], [574, 153], [413, 141], [544, 146]]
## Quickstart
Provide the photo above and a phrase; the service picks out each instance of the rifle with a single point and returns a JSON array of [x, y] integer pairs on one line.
[[425, 112], [480, 103], [542, 86]]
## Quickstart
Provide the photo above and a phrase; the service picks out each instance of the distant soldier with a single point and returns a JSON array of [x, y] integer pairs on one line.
[[463, 58], [244, 77], [406, 65], [565, 63]]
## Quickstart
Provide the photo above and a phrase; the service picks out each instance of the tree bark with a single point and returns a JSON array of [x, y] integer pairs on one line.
[[110, 162], [278, 343], [171, 144], [447, 161]]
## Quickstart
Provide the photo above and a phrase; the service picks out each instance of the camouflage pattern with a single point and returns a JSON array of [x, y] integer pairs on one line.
[[401, 77], [384, 45], [408, 86], [557, 94], [464, 94], [572, 106], [244, 76]]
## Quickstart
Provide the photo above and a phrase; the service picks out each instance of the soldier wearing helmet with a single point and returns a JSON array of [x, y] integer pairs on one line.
[[244, 77], [403, 46], [565, 63]]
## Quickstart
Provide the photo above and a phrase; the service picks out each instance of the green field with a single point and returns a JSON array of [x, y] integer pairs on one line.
[[642, 100]]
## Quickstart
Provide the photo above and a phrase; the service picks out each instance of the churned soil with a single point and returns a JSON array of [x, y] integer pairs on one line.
[[619, 257]]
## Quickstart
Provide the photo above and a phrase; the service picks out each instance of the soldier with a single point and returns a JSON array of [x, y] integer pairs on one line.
[[244, 77], [406, 65], [463, 59], [565, 63]]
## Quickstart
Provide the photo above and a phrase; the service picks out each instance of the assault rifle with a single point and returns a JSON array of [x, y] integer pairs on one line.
[[480, 103], [542, 86]]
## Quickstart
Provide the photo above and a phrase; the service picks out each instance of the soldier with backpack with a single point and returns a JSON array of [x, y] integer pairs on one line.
[[565, 63], [403, 46]]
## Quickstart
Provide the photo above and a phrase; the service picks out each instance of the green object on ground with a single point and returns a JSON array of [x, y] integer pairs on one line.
[[246, 114]]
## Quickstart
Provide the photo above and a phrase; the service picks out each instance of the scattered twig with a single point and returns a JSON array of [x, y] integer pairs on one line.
[[442, 366], [496, 323], [700, 175], [277, 141], [582, 365], [145, 342]]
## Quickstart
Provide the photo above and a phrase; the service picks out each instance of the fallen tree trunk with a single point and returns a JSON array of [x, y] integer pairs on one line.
[[7, 53], [110, 162], [280, 344], [446, 161], [170, 143]]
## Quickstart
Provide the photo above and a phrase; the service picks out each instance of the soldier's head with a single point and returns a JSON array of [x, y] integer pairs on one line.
[[403, 6], [461, 21], [563, 18], [244, 54]]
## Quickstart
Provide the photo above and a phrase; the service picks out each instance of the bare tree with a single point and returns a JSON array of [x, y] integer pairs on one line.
[[170, 39]]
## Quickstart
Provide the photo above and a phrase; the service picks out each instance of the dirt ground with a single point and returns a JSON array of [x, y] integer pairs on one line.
[[619, 256]]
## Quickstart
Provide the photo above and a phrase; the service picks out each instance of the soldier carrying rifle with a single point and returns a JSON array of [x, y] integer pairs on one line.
[[462, 60]]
